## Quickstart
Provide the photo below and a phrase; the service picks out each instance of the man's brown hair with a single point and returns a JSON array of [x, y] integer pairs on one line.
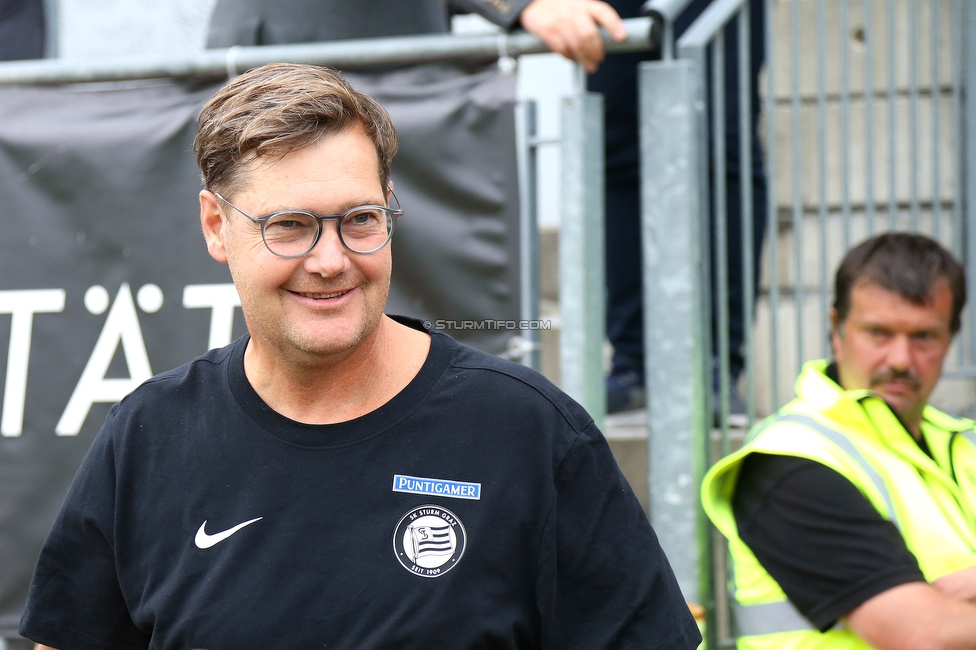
[[904, 263], [278, 108]]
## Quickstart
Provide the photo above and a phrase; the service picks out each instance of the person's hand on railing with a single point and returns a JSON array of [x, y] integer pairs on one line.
[[571, 28]]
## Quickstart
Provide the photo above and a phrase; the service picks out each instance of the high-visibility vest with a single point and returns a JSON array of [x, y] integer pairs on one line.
[[931, 500]]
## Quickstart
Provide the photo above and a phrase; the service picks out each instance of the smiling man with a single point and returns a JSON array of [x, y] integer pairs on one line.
[[338, 477], [851, 513]]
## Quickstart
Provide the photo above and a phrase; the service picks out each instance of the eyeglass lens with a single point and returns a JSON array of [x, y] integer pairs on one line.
[[294, 233]]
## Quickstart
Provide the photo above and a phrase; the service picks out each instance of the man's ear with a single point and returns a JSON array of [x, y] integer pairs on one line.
[[835, 331], [212, 221]]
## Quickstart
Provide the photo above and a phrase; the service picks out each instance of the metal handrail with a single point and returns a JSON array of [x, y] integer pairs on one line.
[[665, 10], [710, 23], [346, 55], [664, 13]]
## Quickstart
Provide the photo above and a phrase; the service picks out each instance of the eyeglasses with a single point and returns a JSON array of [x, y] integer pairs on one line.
[[293, 233]]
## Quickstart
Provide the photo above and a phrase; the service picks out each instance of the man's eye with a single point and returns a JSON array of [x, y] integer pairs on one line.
[[364, 218]]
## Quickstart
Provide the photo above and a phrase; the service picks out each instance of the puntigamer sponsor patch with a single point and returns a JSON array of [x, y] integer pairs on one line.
[[439, 487]]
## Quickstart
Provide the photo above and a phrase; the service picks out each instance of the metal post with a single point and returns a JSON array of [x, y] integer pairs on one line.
[[51, 34], [528, 342], [675, 364], [935, 92], [868, 21], [845, 121], [581, 254], [772, 209], [969, 118], [822, 179], [892, 143]]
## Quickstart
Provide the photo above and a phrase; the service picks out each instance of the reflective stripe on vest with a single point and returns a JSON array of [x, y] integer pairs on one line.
[[769, 618], [845, 443], [773, 618]]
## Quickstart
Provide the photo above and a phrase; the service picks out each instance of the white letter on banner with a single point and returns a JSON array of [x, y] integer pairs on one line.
[[122, 324], [221, 298], [23, 305]]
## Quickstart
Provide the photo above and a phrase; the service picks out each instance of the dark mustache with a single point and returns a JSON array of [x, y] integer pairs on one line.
[[889, 375]]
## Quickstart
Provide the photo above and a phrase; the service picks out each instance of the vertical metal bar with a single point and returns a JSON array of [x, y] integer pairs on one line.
[[720, 236], [673, 225], [869, 114], [772, 209], [913, 112], [845, 122], [892, 149], [51, 29], [958, 159], [581, 254], [969, 86], [525, 130], [748, 204], [935, 92], [797, 177], [667, 43], [822, 173]]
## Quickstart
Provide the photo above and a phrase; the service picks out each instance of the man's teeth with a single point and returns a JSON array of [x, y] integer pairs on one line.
[[322, 296]]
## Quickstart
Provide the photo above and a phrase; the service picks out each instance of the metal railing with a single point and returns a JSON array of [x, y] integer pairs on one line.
[[355, 54]]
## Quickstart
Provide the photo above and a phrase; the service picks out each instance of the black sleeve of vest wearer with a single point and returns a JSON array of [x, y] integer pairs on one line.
[[815, 533]]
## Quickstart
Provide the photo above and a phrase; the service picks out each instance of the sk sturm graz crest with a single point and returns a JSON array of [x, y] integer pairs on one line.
[[429, 541]]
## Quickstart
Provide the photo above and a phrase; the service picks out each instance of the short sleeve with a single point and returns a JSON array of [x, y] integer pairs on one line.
[[75, 601], [818, 536], [604, 580]]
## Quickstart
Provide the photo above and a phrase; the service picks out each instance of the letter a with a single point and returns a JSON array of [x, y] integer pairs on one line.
[[121, 325]]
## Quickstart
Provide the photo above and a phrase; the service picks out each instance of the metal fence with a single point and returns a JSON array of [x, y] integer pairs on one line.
[[865, 127]]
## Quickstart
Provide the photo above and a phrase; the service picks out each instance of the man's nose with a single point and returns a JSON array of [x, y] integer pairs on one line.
[[328, 257], [900, 353]]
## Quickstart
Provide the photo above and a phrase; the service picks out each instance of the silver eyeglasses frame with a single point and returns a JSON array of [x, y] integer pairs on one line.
[[391, 213]]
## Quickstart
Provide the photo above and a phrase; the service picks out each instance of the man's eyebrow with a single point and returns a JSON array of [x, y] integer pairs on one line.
[[344, 207]]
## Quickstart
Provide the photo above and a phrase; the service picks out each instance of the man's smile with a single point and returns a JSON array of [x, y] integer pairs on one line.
[[322, 296]]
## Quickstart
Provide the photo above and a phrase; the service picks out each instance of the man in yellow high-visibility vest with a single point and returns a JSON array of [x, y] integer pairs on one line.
[[851, 512]]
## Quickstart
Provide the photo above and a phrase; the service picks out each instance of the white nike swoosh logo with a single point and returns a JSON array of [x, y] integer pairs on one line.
[[203, 540]]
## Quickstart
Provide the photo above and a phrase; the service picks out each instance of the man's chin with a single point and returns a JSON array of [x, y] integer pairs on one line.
[[338, 339], [904, 405]]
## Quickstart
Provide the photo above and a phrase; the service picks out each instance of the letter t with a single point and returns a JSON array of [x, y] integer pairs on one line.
[[23, 305]]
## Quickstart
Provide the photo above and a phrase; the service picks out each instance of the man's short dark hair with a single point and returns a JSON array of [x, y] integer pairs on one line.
[[278, 108], [905, 263]]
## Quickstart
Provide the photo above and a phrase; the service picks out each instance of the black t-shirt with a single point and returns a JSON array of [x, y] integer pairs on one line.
[[828, 548], [478, 508]]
